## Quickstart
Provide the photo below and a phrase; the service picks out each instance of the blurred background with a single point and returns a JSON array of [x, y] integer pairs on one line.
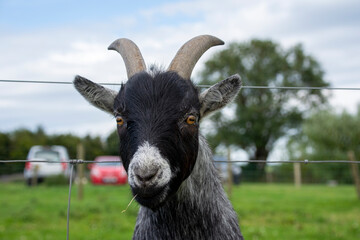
[[277, 43]]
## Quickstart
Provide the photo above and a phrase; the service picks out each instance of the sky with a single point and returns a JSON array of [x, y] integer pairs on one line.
[[56, 40]]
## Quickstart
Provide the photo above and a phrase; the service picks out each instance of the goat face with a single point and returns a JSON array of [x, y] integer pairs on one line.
[[158, 128], [158, 117]]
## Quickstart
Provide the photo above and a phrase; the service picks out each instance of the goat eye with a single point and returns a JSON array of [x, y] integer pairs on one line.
[[191, 120], [119, 121]]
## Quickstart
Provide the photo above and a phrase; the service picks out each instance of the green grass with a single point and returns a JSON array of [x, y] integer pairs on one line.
[[266, 212], [311, 212]]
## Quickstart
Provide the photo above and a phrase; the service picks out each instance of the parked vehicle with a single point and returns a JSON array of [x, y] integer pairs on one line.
[[37, 171], [105, 172]]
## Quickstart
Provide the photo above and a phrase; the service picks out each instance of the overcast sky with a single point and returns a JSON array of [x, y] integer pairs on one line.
[[56, 40]]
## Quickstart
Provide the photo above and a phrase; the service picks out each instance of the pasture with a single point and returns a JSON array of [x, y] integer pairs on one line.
[[266, 211]]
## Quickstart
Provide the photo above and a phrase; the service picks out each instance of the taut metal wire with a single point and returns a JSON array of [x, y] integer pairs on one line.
[[200, 86], [77, 161]]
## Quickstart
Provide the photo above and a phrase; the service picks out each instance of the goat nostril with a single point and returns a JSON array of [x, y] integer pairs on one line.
[[146, 176]]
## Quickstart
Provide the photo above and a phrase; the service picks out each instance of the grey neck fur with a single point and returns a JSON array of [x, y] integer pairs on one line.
[[199, 210]]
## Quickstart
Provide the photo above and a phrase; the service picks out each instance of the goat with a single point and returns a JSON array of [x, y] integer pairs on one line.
[[169, 164]]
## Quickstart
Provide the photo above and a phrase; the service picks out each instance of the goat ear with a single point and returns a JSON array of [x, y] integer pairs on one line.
[[220, 94], [99, 96]]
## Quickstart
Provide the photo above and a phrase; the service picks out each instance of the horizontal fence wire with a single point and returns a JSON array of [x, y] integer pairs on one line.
[[79, 161], [200, 86]]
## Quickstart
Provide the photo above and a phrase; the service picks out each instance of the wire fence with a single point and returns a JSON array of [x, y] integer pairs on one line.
[[201, 86], [74, 162], [79, 161]]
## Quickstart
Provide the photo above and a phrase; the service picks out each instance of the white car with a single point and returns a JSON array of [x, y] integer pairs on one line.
[[37, 171]]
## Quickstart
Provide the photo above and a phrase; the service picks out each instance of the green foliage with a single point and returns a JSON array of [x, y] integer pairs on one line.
[[15, 145], [22, 140], [112, 143], [263, 115], [314, 173], [93, 147], [56, 180], [328, 135], [338, 133], [266, 211], [68, 140], [4, 145]]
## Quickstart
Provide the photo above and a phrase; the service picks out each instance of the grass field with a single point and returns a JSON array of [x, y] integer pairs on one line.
[[266, 212]]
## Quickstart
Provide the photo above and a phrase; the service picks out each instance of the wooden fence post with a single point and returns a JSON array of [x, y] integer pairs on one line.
[[230, 175], [35, 177], [80, 171], [297, 174], [269, 173], [355, 172]]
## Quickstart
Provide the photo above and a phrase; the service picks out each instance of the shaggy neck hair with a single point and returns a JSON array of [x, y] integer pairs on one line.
[[199, 210]]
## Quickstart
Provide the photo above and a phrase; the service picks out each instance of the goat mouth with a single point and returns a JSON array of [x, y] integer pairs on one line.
[[151, 197]]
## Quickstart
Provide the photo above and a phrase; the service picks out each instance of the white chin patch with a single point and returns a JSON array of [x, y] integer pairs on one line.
[[146, 159]]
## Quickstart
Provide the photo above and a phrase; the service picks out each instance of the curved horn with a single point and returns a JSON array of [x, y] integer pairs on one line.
[[131, 54], [188, 55]]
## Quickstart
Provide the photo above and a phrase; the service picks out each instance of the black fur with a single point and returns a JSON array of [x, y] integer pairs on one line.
[[155, 108]]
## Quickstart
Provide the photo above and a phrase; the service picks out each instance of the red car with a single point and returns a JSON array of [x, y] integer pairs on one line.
[[105, 172]]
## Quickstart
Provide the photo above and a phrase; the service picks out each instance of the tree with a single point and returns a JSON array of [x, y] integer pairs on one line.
[[68, 140], [18, 146], [21, 141], [4, 152], [262, 116], [328, 135], [93, 147], [4, 146], [112, 143]]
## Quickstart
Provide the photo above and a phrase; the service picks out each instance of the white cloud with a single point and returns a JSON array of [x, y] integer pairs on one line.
[[327, 29]]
